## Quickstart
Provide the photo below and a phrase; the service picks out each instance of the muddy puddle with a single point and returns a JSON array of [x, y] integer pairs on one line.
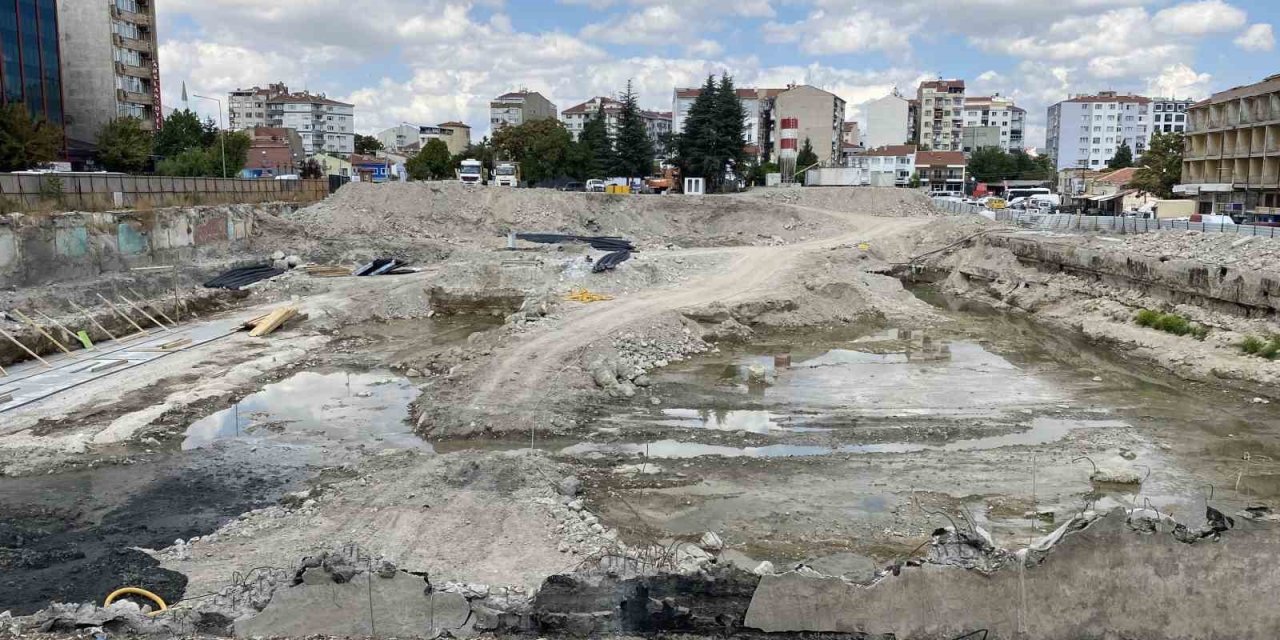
[[802, 445], [342, 407]]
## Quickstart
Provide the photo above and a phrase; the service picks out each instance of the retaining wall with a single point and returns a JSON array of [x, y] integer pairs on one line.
[[36, 250], [1232, 290]]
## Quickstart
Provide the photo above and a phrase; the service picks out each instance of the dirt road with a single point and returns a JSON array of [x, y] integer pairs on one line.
[[518, 378]]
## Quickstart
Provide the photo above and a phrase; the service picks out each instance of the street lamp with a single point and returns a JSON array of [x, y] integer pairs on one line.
[[222, 134]]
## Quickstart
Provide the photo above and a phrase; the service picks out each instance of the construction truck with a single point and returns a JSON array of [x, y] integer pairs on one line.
[[507, 174], [471, 172]]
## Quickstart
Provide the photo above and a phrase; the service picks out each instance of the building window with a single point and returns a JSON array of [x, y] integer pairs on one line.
[[127, 5], [124, 29], [1159, 107], [127, 56]]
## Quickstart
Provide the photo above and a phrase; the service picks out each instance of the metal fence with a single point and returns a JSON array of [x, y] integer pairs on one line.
[[1109, 224], [103, 192]]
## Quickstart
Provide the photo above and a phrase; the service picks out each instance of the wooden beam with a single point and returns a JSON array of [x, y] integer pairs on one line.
[[144, 312], [44, 333], [69, 332], [273, 321], [154, 306], [94, 321], [122, 314], [24, 348]]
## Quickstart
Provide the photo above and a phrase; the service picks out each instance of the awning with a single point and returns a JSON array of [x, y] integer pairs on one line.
[[1111, 197], [1188, 189]]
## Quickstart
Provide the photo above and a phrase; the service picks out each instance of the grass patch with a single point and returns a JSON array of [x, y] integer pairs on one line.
[[1268, 348], [1252, 345], [1170, 323]]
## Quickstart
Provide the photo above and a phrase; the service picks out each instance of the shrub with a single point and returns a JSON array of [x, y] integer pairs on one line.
[[1147, 318], [1173, 323], [1199, 332], [1271, 350], [1252, 345]]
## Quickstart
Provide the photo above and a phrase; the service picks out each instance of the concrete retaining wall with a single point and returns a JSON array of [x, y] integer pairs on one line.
[[1228, 289], [36, 250]]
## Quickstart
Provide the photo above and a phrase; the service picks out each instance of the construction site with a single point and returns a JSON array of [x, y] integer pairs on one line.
[[427, 409]]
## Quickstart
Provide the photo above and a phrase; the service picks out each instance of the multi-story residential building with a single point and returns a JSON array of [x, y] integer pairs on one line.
[[891, 165], [656, 123], [519, 107], [398, 137], [941, 170], [887, 121], [973, 138], [820, 115], [247, 108], [108, 56], [1169, 115], [913, 121], [456, 135], [941, 118], [325, 125], [1231, 160], [274, 151], [1084, 131], [851, 134], [751, 98], [997, 112]]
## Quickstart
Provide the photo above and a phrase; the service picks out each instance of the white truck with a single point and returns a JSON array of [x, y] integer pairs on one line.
[[471, 172], [507, 174]]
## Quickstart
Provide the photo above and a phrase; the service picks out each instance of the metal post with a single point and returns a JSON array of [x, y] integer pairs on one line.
[[222, 133]]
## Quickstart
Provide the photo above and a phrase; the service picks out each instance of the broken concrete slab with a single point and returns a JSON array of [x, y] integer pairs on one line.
[[1135, 586], [848, 566], [398, 606]]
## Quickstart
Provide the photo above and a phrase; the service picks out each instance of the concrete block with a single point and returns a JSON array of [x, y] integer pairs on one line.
[[131, 239], [71, 241], [8, 249], [319, 606]]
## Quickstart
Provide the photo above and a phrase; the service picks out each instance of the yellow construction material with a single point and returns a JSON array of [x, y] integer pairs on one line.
[[579, 294], [137, 592], [272, 321]]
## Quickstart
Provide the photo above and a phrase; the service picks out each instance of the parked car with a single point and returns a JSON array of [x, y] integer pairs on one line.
[[573, 186], [595, 186]]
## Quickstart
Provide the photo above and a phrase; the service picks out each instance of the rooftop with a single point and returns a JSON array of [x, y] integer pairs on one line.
[[891, 150], [1108, 96], [306, 98], [454, 124], [1270, 84], [935, 158], [593, 104], [943, 85], [743, 93], [1119, 177]]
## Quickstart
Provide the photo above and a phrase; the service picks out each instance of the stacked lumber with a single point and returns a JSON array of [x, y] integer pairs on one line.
[[272, 321], [326, 271]]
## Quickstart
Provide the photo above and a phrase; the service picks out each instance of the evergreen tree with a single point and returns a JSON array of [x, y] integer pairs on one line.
[[596, 149], [730, 127], [24, 141], [1123, 157], [805, 159], [311, 170], [1161, 165], [633, 149], [696, 153], [182, 130], [124, 146], [433, 162]]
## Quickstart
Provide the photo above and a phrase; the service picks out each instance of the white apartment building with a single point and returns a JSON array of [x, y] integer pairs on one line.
[[997, 112], [889, 166], [519, 107], [941, 115], [1084, 131], [1169, 115], [326, 126], [886, 121], [656, 123], [398, 137]]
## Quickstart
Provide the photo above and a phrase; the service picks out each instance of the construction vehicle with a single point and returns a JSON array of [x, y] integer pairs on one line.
[[471, 172], [507, 174]]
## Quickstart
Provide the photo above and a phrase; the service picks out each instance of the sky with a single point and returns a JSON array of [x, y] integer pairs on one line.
[[432, 61]]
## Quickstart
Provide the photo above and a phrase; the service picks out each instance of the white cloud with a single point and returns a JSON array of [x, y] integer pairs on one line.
[[704, 49], [1258, 37], [824, 33], [1179, 81], [662, 22], [1199, 18], [594, 4]]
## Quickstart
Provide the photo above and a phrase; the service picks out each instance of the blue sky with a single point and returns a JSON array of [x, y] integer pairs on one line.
[[428, 61]]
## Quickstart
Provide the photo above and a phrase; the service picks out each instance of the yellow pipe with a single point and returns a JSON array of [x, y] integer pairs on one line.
[[137, 592]]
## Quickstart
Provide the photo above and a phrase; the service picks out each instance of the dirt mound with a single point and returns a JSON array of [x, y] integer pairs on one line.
[[428, 211], [876, 201]]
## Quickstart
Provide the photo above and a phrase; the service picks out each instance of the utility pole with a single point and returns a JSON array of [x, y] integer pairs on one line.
[[222, 130]]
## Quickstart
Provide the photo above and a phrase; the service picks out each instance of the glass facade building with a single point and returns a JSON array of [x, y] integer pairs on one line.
[[30, 69]]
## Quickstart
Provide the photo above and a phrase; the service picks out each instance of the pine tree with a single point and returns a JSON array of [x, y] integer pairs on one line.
[[806, 158], [597, 148], [1123, 157], [696, 145], [633, 149], [730, 127]]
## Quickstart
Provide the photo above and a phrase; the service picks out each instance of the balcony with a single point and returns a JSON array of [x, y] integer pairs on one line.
[[131, 43], [130, 70], [133, 96], [141, 19]]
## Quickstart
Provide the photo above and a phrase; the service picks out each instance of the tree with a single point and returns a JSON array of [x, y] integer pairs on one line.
[[1161, 165], [192, 163], [806, 158], [729, 116], [124, 146], [542, 147], [633, 149], [182, 130], [596, 147], [915, 180], [367, 145], [238, 143], [992, 164], [25, 141], [433, 162], [712, 142], [311, 170], [1123, 157]]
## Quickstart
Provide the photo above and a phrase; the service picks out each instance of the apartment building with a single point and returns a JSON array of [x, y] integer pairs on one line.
[[1084, 131], [1169, 115], [411, 138], [519, 107], [108, 56], [273, 151], [890, 166], [819, 114], [31, 71], [993, 112], [941, 170], [325, 125], [1231, 161], [913, 121], [887, 121], [851, 134], [247, 108], [941, 114], [656, 123], [398, 137]]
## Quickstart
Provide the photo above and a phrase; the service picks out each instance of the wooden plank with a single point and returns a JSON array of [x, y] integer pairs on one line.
[[44, 333], [24, 348], [94, 321], [143, 312], [103, 366], [273, 321], [122, 314], [154, 306]]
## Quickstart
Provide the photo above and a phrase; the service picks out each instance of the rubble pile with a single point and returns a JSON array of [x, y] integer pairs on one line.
[[1247, 253], [622, 372], [886, 202]]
